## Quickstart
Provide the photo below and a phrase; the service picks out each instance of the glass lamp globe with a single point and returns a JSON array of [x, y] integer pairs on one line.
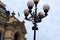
[[36, 1], [41, 15], [26, 12], [46, 8], [30, 4]]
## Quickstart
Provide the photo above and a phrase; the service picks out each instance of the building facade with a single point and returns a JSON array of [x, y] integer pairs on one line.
[[10, 27]]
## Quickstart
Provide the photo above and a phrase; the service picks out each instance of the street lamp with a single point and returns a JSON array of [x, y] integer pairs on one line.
[[46, 9], [35, 18]]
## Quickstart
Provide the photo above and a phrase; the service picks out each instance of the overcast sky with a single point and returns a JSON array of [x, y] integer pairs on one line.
[[49, 28]]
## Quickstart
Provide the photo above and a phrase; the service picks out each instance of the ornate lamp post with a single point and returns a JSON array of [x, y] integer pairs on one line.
[[35, 18]]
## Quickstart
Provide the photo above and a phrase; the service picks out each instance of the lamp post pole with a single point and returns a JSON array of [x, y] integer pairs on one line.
[[35, 18], [35, 21]]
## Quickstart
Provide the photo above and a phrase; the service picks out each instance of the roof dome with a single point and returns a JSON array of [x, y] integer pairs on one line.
[[2, 10]]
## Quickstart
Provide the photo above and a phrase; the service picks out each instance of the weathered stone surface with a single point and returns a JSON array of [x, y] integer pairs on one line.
[[12, 28]]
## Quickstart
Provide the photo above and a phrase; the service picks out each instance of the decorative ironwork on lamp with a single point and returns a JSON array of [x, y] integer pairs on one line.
[[35, 18]]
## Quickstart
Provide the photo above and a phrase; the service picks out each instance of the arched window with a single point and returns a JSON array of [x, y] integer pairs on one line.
[[17, 36], [0, 36]]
